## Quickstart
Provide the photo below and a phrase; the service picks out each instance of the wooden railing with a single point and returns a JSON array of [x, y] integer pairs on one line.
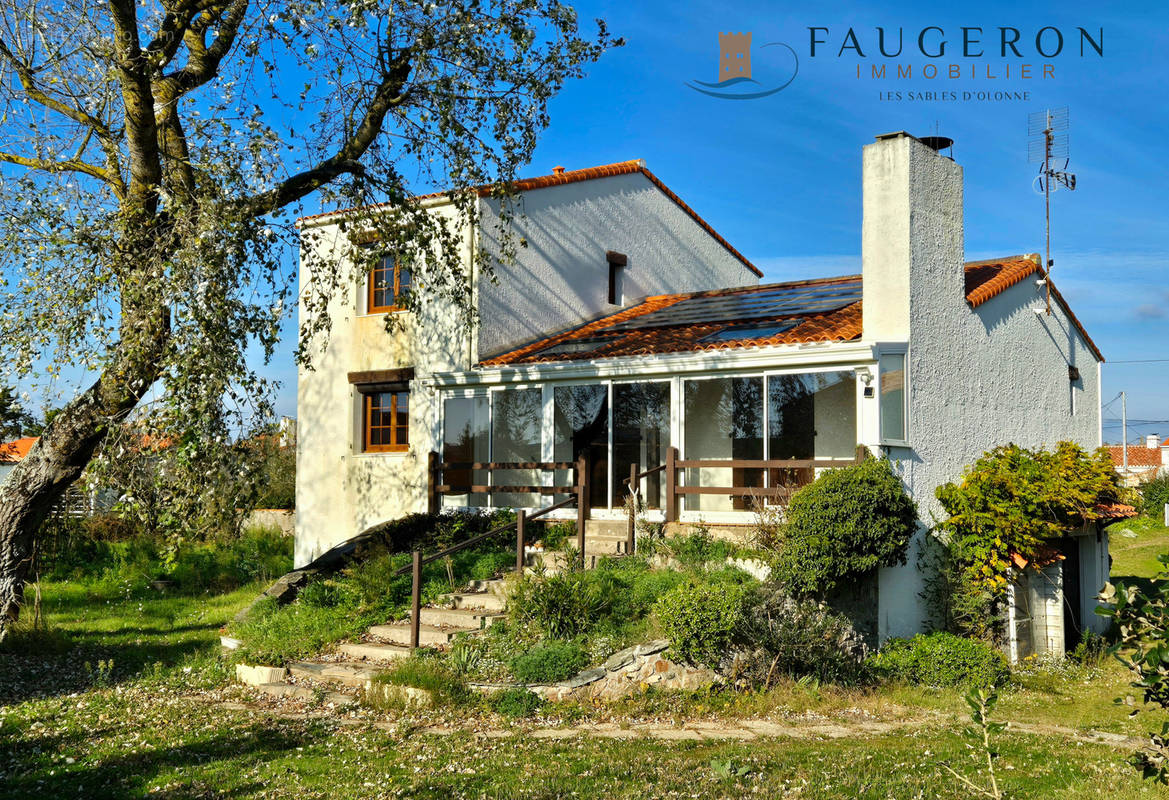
[[674, 490]]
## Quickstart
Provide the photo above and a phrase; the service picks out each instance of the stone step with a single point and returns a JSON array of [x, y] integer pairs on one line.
[[373, 651], [305, 694], [495, 586], [487, 601], [399, 633], [460, 618], [347, 673]]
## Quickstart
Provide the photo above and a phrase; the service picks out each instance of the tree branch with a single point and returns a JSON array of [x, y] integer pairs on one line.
[[69, 165], [204, 60], [347, 159], [138, 100]]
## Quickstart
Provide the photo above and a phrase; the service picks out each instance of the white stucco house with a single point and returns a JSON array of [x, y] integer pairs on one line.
[[1141, 461], [630, 333]]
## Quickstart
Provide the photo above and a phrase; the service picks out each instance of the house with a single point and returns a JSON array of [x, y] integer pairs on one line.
[[12, 453], [1140, 462], [698, 372]]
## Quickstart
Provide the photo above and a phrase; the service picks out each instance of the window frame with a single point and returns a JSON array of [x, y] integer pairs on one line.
[[371, 287], [891, 441], [367, 397]]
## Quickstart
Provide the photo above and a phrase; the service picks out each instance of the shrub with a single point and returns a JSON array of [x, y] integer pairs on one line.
[[515, 703], [549, 662], [1010, 501], [700, 620], [1154, 496], [564, 605], [781, 635], [696, 549], [941, 659], [847, 522]]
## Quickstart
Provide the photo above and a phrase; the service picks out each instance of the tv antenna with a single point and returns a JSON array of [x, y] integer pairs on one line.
[[1048, 141]]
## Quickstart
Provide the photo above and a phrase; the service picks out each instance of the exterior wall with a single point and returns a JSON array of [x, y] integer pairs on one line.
[[977, 378], [561, 278], [341, 491]]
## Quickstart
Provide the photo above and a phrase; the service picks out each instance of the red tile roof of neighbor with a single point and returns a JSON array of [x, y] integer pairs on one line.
[[984, 280], [1138, 455], [1116, 511], [11, 452], [576, 176]]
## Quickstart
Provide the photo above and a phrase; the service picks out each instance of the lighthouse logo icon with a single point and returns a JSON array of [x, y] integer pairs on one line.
[[737, 80], [734, 56]]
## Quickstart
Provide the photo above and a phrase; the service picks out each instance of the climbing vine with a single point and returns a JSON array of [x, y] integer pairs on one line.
[[1010, 501]]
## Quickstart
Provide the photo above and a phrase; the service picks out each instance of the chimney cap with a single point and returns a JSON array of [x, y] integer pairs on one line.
[[558, 170], [937, 143]]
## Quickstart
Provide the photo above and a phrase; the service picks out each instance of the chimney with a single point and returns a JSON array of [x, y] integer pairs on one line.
[[1152, 441], [912, 247], [558, 170]]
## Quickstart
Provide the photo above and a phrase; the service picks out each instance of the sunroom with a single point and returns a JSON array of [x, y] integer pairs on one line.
[[715, 401]]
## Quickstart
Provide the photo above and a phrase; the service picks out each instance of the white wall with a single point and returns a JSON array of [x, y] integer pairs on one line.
[[341, 491], [562, 278], [977, 378]]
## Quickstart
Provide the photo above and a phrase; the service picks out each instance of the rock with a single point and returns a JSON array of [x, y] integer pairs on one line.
[[620, 659], [257, 676], [661, 666], [230, 643], [585, 678], [649, 648], [407, 696]]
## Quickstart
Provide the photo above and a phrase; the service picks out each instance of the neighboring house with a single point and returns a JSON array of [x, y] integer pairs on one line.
[[12, 453], [1145, 461], [920, 353]]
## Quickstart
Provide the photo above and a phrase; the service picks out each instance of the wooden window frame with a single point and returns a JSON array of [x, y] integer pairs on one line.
[[371, 293], [367, 428]]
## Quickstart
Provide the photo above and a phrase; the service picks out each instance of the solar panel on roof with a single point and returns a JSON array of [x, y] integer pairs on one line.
[[762, 330], [747, 305], [576, 346]]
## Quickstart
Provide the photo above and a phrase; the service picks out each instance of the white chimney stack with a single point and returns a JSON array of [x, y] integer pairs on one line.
[[912, 246], [1152, 441]]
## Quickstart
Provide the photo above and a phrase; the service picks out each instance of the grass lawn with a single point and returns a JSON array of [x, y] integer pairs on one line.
[[153, 725]]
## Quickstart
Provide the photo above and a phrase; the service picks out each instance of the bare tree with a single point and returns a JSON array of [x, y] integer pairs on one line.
[[154, 151]]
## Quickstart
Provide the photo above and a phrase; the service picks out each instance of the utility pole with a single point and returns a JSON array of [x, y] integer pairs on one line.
[[1124, 432]]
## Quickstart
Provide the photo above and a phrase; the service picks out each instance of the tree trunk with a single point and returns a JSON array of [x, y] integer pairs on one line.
[[66, 447]]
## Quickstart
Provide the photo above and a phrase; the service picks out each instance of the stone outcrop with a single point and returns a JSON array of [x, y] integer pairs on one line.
[[627, 672]]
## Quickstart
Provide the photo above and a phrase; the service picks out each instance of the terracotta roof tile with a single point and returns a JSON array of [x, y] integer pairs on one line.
[[1138, 455], [576, 176]]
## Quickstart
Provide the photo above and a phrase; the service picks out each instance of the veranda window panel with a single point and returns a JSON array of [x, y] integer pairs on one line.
[[466, 437], [516, 418], [723, 419], [581, 427], [641, 435], [810, 416]]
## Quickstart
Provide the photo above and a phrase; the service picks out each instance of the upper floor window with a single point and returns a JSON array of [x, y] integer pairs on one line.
[[389, 281], [617, 263], [386, 421]]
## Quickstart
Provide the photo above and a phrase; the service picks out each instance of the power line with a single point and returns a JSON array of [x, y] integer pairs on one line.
[[1142, 361]]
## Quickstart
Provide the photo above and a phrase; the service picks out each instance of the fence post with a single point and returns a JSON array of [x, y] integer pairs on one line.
[[633, 490], [862, 453], [582, 504], [671, 484], [521, 516], [1167, 515], [416, 600], [432, 499]]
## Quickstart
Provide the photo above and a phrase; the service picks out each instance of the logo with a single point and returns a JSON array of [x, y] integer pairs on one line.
[[739, 80]]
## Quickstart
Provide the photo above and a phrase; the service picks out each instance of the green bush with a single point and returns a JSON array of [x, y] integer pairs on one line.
[[549, 662], [515, 703], [847, 522], [700, 620], [696, 549], [780, 635], [941, 659], [1154, 496], [563, 605]]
